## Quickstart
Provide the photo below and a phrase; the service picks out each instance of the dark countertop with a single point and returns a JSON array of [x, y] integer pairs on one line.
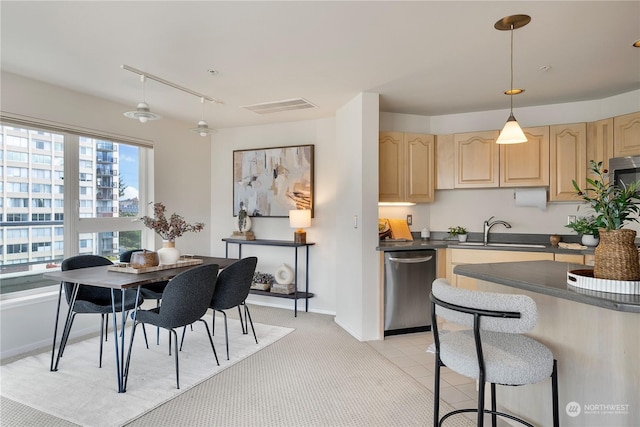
[[419, 244], [548, 278]]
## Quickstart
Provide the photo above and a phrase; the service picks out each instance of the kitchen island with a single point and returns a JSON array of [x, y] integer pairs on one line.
[[595, 337]]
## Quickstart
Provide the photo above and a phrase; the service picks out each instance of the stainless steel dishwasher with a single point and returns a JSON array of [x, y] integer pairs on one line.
[[408, 276]]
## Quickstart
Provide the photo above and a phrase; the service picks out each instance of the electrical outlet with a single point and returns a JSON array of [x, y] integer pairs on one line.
[[571, 219], [409, 219]]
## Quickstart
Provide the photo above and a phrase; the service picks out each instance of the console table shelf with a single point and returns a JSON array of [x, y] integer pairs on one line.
[[296, 295]]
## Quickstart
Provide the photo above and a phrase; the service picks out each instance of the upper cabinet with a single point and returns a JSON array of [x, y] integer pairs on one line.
[[477, 162], [626, 131], [599, 143], [406, 167], [527, 164], [568, 160]]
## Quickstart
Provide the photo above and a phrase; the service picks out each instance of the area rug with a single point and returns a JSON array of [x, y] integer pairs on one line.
[[84, 394]]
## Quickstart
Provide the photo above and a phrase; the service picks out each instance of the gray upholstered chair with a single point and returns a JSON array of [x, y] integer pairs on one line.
[[184, 301], [91, 299], [493, 350], [234, 284]]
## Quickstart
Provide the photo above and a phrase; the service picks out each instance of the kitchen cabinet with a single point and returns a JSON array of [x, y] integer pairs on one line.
[[482, 256], [477, 160], [599, 143], [626, 130], [445, 160], [568, 160], [527, 164], [572, 258], [406, 167]]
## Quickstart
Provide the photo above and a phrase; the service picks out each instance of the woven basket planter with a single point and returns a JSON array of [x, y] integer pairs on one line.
[[616, 257]]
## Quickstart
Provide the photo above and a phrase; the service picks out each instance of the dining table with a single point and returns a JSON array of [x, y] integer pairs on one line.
[[106, 277]]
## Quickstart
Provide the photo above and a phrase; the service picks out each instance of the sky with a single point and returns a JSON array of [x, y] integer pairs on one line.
[[129, 168]]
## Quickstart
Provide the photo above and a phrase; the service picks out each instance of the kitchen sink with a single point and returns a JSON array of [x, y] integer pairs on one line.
[[504, 245]]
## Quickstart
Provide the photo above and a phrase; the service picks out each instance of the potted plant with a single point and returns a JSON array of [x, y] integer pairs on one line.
[[262, 281], [587, 227], [459, 231], [616, 256]]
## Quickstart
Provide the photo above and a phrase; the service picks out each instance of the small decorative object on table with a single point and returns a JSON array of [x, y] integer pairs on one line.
[[459, 231], [262, 281], [616, 256], [243, 225], [169, 230], [144, 259]]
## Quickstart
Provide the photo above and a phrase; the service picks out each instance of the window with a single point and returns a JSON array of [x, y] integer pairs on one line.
[[40, 203], [17, 203], [47, 217]]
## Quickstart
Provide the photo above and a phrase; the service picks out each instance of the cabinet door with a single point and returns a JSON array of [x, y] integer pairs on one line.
[[476, 160], [599, 143], [445, 160], [419, 168], [568, 160], [626, 130], [527, 164], [390, 171]]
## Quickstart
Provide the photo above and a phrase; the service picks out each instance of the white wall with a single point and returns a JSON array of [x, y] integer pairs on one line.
[[322, 265], [182, 182]]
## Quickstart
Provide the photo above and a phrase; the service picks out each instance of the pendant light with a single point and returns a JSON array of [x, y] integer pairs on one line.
[[142, 112], [202, 129], [512, 132]]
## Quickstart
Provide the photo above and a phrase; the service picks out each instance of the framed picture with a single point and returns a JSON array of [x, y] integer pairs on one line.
[[272, 181]]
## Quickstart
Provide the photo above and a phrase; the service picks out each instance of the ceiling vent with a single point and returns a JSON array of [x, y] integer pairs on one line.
[[278, 106]]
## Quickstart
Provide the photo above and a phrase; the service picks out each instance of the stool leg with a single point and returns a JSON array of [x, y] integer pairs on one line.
[[436, 394], [480, 422], [494, 418], [554, 386]]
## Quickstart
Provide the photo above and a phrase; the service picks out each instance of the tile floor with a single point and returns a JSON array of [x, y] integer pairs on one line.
[[409, 353]]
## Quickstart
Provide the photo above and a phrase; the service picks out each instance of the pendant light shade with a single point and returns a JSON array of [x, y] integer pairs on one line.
[[202, 128], [512, 132], [142, 111]]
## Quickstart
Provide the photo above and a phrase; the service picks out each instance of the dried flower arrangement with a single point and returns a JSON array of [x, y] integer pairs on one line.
[[169, 229]]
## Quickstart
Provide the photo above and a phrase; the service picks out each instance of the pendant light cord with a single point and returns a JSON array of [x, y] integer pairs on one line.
[[511, 91]]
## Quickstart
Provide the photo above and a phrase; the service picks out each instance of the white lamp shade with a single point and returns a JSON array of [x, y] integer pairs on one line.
[[511, 133], [300, 218]]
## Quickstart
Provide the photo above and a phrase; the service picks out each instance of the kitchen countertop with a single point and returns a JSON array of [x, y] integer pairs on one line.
[[549, 278], [419, 244]]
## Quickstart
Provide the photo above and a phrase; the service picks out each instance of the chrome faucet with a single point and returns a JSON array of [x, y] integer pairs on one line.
[[488, 224]]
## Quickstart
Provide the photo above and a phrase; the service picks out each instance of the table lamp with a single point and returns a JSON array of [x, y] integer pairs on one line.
[[300, 219]]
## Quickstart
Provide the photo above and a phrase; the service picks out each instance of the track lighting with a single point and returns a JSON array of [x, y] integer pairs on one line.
[[202, 129], [142, 112], [512, 132]]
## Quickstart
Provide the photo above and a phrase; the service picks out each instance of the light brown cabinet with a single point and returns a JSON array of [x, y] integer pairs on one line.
[[568, 160], [626, 130], [406, 167], [445, 162], [482, 256], [527, 164], [599, 143], [477, 160]]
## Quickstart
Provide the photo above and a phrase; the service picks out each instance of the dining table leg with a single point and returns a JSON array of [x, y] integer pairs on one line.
[[67, 327]]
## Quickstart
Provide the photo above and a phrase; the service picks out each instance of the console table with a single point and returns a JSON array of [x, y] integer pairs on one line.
[[283, 243]]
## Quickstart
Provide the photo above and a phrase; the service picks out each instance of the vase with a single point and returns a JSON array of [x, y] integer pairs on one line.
[[168, 254], [616, 256], [590, 240], [284, 275]]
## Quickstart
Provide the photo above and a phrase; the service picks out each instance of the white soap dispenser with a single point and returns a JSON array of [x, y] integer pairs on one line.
[[425, 234]]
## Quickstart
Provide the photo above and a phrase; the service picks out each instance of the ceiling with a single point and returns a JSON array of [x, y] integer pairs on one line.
[[422, 57]]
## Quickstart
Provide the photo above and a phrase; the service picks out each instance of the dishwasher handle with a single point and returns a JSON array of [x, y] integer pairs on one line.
[[410, 260]]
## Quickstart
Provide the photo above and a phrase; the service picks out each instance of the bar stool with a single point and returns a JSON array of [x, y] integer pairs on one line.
[[493, 350]]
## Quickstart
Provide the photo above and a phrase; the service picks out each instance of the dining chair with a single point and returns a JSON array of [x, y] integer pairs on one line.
[[492, 349], [232, 290], [151, 291], [92, 300], [185, 300]]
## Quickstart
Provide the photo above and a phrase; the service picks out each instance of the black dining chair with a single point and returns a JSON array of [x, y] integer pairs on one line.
[[91, 299], [232, 290], [151, 291], [185, 300]]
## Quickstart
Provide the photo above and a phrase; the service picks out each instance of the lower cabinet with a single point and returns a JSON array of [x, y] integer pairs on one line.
[[482, 256]]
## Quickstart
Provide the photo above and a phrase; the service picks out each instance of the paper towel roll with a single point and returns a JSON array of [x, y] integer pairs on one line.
[[535, 197]]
